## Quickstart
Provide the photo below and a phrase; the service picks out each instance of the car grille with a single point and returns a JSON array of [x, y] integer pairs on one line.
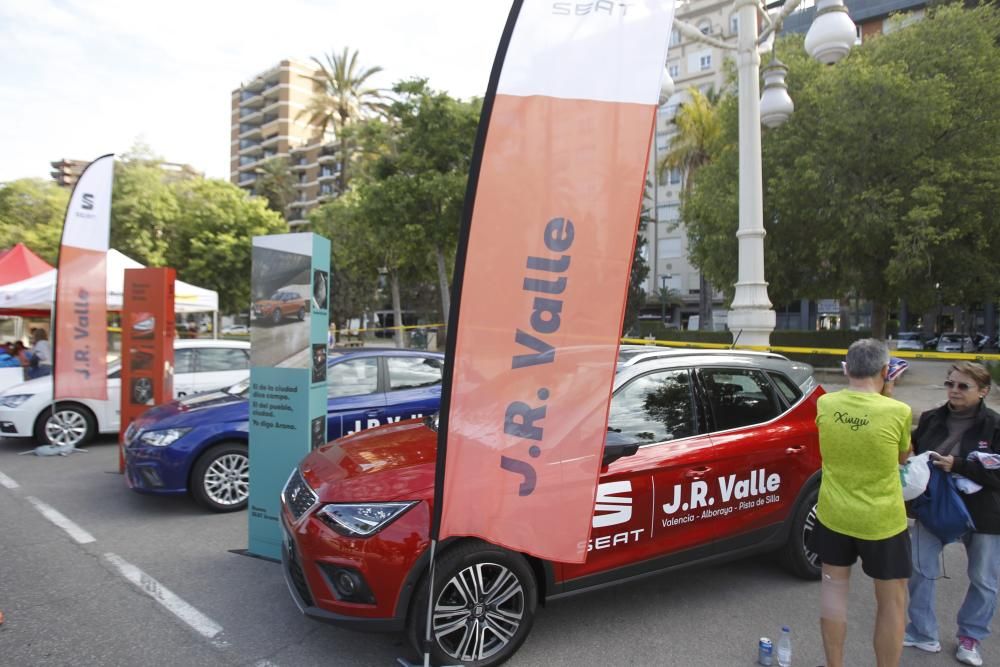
[[298, 497]]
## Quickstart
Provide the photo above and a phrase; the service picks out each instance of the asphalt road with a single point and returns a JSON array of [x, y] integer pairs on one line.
[[154, 581]]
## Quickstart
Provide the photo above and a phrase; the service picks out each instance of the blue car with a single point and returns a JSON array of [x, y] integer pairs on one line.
[[199, 444]]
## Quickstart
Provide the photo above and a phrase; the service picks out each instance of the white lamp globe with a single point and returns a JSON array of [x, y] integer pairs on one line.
[[775, 103], [832, 33], [666, 87]]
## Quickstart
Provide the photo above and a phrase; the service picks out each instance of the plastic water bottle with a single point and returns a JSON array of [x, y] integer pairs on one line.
[[785, 647]]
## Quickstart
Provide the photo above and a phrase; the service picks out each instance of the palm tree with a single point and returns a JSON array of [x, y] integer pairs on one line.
[[276, 184], [698, 128], [344, 99]]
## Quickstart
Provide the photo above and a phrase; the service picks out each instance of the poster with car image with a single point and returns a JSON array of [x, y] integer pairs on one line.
[[147, 362], [289, 287]]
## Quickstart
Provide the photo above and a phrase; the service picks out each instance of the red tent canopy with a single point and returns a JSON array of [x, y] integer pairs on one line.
[[19, 263]]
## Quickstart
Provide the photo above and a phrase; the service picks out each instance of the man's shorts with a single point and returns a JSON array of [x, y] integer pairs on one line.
[[880, 559]]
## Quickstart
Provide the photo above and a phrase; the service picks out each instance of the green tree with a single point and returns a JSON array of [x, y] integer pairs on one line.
[[698, 131], [276, 184], [144, 211], [885, 179], [345, 98], [212, 248], [32, 211]]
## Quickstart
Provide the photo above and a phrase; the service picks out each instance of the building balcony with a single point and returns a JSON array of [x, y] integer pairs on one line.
[[327, 176], [327, 159], [249, 131]]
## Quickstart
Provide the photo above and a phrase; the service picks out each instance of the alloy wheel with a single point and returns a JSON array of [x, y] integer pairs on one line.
[[478, 612], [227, 479], [807, 529], [66, 427]]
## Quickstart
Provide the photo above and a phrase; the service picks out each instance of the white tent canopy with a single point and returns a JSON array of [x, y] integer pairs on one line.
[[38, 292]]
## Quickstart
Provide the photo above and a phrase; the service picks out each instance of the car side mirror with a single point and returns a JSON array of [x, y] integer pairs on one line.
[[616, 446]]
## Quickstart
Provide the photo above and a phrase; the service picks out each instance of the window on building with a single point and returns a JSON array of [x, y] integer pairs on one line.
[[705, 62], [670, 247], [675, 37], [674, 71], [663, 176], [669, 213], [734, 25], [675, 176]]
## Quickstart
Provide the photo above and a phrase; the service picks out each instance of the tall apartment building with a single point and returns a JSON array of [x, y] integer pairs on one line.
[[268, 122], [67, 172], [693, 64]]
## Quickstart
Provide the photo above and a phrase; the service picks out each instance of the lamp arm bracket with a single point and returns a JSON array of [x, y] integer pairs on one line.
[[774, 22], [693, 33]]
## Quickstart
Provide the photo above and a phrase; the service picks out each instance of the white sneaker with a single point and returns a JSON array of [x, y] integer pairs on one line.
[[930, 647], [968, 651]]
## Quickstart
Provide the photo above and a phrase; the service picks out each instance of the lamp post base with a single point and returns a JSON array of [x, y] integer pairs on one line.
[[751, 326]]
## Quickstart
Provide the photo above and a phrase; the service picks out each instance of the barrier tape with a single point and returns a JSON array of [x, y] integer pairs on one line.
[[905, 354]]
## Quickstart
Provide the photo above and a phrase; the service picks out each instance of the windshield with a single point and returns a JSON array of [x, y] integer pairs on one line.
[[909, 336]]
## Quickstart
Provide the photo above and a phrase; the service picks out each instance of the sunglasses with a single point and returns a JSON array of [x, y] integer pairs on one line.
[[962, 386]]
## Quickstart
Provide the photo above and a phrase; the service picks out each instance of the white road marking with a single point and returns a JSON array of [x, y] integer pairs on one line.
[[8, 482], [56, 517], [200, 623]]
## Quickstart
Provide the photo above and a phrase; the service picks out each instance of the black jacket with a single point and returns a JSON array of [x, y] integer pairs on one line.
[[983, 436]]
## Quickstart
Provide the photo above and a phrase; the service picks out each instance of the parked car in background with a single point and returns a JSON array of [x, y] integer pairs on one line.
[[199, 365], [954, 342], [236, 329], [910, 340], [282, 304], [710, 455], [199, 445]]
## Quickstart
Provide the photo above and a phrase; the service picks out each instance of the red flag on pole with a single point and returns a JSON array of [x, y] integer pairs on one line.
[[81, 311], [543, 271]]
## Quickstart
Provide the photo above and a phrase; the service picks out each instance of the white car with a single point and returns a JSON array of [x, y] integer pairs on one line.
[[955, 342], [199, 365], [910, 340]]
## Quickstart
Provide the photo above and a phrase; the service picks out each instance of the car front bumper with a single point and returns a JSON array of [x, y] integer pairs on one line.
[[19, 422]]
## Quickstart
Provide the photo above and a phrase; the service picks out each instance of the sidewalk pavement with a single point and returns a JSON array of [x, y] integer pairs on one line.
[[920, 386]]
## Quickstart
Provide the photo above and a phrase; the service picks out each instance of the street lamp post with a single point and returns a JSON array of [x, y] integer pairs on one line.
[[831, 35]]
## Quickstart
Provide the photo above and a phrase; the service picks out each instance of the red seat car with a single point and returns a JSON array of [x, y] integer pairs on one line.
[[710, 456]]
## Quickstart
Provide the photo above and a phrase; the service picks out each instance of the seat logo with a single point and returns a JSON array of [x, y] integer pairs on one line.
[[612, 509]]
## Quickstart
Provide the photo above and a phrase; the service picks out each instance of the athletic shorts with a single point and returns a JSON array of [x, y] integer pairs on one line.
[[880, 559]]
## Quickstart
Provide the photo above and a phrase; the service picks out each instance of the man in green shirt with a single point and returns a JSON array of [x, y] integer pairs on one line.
[[863, 437]]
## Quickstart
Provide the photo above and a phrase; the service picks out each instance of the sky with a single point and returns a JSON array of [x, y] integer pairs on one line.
[[81, 78]]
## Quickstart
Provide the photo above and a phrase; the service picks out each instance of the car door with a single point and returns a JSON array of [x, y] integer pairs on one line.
[[759, 458], [218, 367], [355, 401], [648, 504], [184, 376], [413, 386]]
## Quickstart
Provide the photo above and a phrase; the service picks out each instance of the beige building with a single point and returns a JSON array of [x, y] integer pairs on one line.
[[268, 121], [691, 65], [67, 172]]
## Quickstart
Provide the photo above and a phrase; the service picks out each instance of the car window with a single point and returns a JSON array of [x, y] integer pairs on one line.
[[739, 397], [354, 377], [213, 360], [654, 407], [786, 387], [184, 361], [413, 372]]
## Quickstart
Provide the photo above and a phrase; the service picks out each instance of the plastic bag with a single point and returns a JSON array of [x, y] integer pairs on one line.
[[914, 475]]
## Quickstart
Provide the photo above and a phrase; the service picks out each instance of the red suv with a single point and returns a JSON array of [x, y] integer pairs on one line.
[[727, 464]]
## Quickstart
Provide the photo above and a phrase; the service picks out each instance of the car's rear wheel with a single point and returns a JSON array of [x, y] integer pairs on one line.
[[796, 555], [69, 425], [220, 479], [276, 316], [484, 604]]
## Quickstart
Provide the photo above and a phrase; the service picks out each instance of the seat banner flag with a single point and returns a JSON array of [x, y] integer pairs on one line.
[[81, 312], [544, 260]]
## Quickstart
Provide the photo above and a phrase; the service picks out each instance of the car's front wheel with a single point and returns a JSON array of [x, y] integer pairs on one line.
[[276, 316], [68, 425], [220, 480], [484, 604], [796, 556]]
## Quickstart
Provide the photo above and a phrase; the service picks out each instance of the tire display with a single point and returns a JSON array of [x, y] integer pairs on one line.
[[220, 479], [485, 600]]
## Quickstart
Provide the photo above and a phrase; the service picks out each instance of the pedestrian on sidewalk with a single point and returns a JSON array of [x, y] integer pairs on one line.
[[964, 436], [864, 434]]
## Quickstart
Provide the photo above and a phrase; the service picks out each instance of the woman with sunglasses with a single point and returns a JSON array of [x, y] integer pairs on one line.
[[963, 436]]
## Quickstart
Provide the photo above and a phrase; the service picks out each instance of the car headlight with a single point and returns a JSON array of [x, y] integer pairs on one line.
[[162, 438], [361, 519], [14, 400]]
